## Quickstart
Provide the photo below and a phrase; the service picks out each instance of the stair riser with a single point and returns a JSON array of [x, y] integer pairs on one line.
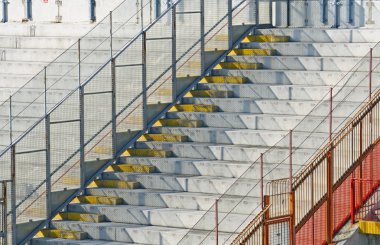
[[312, 78], [307, 63], [288, 92], [242, 121], [172, 199], [300, 108], [315, 49], [242, 137], [135, 235]]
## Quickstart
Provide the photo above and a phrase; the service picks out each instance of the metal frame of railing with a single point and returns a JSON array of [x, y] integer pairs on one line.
[[87, 143]]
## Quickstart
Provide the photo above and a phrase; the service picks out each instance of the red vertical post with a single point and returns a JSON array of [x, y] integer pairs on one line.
[[216, 223], [352, 193], [290, 160], [329, 201], [330, 115], [370, 74], [262, 179]]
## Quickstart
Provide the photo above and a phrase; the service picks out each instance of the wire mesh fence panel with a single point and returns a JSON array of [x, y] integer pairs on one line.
[[246, 12], [188, 39], [216, 25], [30, 153], [64, 129], [158, 61], [97, 110]]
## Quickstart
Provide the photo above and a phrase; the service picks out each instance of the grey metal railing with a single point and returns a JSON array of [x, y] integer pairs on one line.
[[81, 133]]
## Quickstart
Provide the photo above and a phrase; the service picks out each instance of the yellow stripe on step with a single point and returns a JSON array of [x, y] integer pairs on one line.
[[163, 137], [179, 123], [194, 108], [239, 65], [258, 52], [85, 217], [64, 234], [131, 168], [106, 200], [266, 38], [121, 184], [147, 153], [224, 79], [369, 227], [209, 94]]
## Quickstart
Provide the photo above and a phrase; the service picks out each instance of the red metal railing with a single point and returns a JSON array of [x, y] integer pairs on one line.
[[365, 198]]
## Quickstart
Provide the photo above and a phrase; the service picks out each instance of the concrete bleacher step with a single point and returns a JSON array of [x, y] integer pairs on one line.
[[325, 35], [266, 38], [228, 152], [81, 216], [224, 79], [216, 168], [313, 49], [139, 233], [62, 233], [181, 200], [167, 217], [287, 107], [57, 241], [256, 121], [290, 92], [239, 65], [244, 136], [307, 63], [302, 77]]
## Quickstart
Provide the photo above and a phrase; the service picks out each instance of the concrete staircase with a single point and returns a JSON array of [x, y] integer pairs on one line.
[[164, 185]]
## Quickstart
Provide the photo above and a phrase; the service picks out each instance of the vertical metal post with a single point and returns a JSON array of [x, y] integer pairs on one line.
[[288, 13], [350, 14], [10, 121], [370, 73], [5, 11], [113, 81], [111, 35], [144, 78], [203, 44], [330, 115], [150, 12], [142, 14], [324, 9], [47, 153], [13, 194], [174, 53], [336, 13], [92, 10], [5, 208], [329, 202], [216, 223], [262, 179], [290, 161], [230, 37], [257, 10], [81, 121], [352, 194], [158, 8]]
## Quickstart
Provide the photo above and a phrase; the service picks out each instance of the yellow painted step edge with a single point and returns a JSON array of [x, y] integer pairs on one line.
[[239, 65], [121, 184], [179, 123], [209, 94], [163, 137], [369, 227], [266, 38], [64, 234], [131, 168], [106, 200], [85, 217], [224, 79], [194, 108], [147, 153], [257, 52]]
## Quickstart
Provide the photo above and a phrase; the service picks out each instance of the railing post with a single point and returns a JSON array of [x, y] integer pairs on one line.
[[330, 114], [323, 11], [144, 86], [262, 179], [216, 223], [13, 194], [290, 161], [257, 8], [292, 231], [352, 194], [230, 37], [287, 13], [265, 235], [10, 121], [142, 14], [111, 34], [174, 53], [29, 14], [370, 74], [48, 152], [81, 122], [113, 87], [329, 206], [203, 44], [92, 10], [5, 218]]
